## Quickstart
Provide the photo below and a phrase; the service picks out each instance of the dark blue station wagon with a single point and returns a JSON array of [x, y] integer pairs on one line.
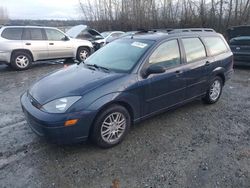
[[127, 81]]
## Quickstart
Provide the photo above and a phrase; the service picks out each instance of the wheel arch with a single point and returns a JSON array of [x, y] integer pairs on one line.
[[83, 47], [222, 76], [22, 50], [219, 71], [124, 104]]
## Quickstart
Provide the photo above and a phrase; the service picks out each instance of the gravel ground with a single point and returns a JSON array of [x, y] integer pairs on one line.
[[196, 145]]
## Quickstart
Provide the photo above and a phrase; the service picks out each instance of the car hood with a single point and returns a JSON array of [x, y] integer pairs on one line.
[[76, 30], [76, 80]]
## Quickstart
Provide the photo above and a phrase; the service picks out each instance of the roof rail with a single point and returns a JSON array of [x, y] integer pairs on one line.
[[163, 30], [192, 30]]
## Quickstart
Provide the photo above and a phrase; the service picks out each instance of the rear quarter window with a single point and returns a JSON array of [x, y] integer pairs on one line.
[[215, 45], [12, 33]]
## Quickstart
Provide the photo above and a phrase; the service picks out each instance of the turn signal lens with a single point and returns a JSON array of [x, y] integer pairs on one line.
[[70, 122]]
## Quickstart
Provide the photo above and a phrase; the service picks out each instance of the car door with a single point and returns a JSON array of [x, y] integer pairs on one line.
[[196, 61], [166, 89], [58, 44], [34, 40]]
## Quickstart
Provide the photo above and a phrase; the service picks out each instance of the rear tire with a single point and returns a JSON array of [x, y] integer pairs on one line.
[[21, 60], [111, 126], [214, 91], [82, 54]]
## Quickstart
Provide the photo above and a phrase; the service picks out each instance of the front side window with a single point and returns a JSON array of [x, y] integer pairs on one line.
[[120, 55], [166, 55], [215, 45], [55, 35], [194, 49], [12, 33]]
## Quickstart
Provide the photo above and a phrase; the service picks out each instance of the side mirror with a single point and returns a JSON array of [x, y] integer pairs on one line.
[[153, 69], [65, 38]]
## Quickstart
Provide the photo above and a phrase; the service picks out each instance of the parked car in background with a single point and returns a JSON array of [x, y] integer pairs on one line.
[[86, 33], [110, 36], [22, 45], [125, 82], [239, 41], [240, 47]]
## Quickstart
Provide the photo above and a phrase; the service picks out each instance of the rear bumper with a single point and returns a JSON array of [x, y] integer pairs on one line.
[[229, 74], [5, 56], [51, 126]]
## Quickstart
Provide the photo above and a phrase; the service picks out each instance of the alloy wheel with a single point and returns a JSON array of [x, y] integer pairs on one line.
[[215, 90], [22, 61], [113, 127], [83, 55]]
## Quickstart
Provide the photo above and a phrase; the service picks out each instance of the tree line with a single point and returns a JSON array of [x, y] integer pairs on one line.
[[151, 14], [3, 16]]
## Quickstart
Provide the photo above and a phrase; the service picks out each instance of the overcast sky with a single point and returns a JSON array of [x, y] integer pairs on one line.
[[42, 9]]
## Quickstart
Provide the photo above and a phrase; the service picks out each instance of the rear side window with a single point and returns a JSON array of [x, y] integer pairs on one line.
[[194, 49], [36, 34], [215, 45], [166, 55], [12, 33], [33, 34]]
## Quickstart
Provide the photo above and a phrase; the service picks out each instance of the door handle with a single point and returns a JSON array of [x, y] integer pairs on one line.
[[28, 44], [179, 72], [207, 63], [51, 43]]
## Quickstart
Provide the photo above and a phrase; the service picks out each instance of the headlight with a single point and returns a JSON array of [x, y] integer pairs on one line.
[[60, 105]]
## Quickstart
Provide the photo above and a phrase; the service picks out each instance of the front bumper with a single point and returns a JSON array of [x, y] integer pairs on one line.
[[242, 57], [51, 126]]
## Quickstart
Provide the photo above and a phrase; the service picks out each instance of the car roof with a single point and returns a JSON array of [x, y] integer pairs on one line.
[[28, 27], [161, 36]]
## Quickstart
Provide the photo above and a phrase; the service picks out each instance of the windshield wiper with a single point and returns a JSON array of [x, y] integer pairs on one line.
[[90, 67], [98, 67], [79, 62]]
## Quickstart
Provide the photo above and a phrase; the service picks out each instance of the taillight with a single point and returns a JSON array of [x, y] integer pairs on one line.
[[232, 64]]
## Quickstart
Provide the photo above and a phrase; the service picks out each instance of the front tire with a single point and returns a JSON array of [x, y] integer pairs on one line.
[[214, 91], [82, 54], [21, 60], [111, 126]]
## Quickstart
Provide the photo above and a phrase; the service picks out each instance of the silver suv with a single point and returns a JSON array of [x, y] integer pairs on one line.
[[22, 45]]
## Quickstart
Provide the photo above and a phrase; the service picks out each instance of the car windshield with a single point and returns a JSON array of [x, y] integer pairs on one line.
[[245, 40], [120, 55]]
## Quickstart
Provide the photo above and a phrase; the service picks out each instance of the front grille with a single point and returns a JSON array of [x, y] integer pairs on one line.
[[34, 102]]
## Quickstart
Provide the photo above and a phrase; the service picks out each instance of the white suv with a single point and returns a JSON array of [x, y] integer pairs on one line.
[[22, 45]]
